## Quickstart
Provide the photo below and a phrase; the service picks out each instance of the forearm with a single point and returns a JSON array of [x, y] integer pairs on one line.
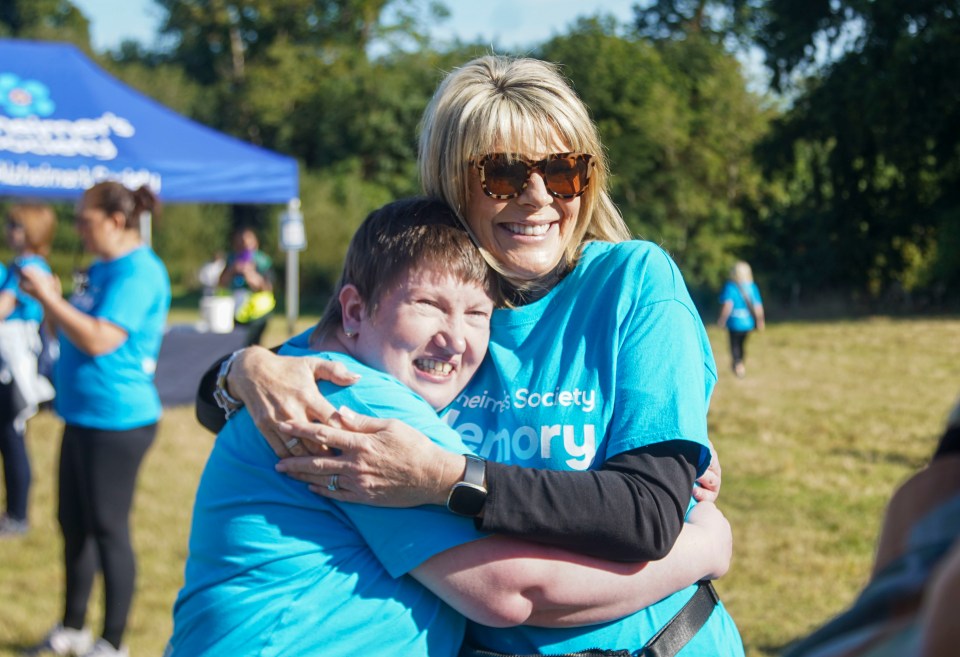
[[8, 302], [501, 581], [630, 510], [91, 335]]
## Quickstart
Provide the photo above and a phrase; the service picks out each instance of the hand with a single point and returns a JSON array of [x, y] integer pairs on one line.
[[39, 284], [707, 517], [279, 389], [708, 489], [380, 462]]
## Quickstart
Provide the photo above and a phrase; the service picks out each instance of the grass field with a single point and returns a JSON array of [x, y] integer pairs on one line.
[[831, 418]]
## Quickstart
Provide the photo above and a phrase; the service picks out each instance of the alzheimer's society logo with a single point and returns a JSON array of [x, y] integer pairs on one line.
[[21, 98]]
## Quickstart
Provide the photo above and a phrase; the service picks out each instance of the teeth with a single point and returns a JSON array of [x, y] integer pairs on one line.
[[430, 365], [527, 229]]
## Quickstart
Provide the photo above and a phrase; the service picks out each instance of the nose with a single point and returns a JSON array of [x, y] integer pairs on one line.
[[451, 337], [535, 194]]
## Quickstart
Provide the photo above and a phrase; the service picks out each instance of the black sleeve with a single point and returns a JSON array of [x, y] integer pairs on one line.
[[632, 509], [209, 415]]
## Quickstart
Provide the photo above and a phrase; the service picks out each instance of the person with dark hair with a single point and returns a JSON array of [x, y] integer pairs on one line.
[[591, 405], [275, 569], [248, 275], [29, 230], [110, 332]]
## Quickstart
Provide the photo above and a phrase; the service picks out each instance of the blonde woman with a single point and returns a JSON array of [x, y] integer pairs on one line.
[[741, 312]]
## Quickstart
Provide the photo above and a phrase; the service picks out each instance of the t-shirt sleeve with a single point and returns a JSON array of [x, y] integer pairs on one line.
[[402, 539], [126, 300], [664, 365]]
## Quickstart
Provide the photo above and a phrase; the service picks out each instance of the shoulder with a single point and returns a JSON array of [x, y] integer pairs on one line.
[[635, 265]]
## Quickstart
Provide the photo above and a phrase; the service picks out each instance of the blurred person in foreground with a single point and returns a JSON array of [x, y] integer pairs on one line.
[[110, 333], [741, 311], [591, 405], [275, 569], [909, 607], [29, 228]]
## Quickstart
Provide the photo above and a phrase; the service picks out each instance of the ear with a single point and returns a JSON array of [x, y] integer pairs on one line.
[[353, 308], [119, 219]]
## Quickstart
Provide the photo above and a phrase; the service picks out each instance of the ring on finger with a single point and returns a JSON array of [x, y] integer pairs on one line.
[[293, 442], [332, 486]]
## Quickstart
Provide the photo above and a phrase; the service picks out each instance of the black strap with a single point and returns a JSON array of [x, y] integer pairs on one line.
[[681, 628], [746, 299]]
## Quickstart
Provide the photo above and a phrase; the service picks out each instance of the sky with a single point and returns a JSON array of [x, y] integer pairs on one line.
[[505, 23]]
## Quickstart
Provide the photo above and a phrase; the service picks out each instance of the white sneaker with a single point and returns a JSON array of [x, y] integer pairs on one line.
[[64, 641], [103, 648]]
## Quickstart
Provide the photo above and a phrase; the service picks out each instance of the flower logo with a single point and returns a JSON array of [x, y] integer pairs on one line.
[[22, 98]]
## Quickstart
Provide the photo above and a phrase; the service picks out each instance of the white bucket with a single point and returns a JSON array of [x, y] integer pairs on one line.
[[216, 313]]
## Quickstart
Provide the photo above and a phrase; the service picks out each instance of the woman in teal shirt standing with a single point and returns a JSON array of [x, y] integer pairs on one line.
[[110, 332], [29, 231]]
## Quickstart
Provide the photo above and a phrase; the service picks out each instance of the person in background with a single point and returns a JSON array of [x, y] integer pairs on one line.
[[267, 568], [248, 275], [741, 311], [29, 231], [591, 406], [110, 333]]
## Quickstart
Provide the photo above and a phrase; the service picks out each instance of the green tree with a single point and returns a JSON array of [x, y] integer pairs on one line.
[[44, 20], [871, 147], [679, 126]]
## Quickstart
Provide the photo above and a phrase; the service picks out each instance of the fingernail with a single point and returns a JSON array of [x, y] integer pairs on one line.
[[284, 426], [345, 413], [280, 467]]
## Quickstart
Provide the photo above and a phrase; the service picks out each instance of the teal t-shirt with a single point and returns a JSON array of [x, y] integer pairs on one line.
[[27, 308], [615, 357], [740, 319], [115, 391], [274, 569]]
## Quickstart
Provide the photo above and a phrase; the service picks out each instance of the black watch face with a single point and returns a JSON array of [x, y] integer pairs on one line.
[[467, 499]]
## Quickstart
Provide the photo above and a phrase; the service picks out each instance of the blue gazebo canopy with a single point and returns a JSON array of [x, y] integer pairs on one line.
[[66, 124]]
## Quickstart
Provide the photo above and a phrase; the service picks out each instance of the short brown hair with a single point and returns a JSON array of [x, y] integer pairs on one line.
[[402, 235], [39, 223]]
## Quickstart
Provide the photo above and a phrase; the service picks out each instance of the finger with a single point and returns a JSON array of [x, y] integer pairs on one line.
[[326, 370], [310, 466]]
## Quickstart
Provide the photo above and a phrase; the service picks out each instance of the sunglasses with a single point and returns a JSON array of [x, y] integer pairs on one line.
[[505, 175]]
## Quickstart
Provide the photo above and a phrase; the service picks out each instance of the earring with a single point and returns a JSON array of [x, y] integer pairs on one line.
[[349, 332]]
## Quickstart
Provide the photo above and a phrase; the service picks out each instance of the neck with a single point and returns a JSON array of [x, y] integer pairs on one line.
[[125, 243], [525, 292]]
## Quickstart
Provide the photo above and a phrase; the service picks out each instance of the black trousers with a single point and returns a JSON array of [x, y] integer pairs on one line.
[[737, 341], [98, 475], [16, 462]]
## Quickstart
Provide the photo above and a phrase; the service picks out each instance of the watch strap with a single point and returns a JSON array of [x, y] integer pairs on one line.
[[224, 399]]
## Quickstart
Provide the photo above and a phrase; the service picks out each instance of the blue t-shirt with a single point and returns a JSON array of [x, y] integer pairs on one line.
[[27, 308], [615, 357], [740, 319], [115, 391], [274, 569]]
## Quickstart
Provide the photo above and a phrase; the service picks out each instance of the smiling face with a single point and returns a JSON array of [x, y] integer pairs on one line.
[[527, 235], [430, 331]]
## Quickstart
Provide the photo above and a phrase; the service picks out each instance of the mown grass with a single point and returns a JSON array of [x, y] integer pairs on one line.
[[831, 418]]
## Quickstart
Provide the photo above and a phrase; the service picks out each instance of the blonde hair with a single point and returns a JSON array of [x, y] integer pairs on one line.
[[39, 223], [741, 272], [496, 103]]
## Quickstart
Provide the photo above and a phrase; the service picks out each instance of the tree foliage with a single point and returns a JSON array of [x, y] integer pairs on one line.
[[680, 127]]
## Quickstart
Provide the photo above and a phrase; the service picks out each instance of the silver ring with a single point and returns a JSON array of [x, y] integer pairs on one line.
[[332, 486], [293, 442]]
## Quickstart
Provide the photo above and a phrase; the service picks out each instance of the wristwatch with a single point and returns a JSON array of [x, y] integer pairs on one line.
[[229, 404], [468, 495]]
